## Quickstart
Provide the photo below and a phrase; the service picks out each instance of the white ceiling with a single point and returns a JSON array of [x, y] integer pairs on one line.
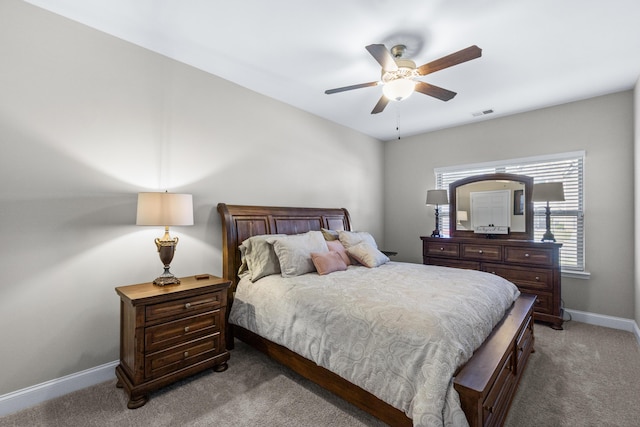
[[535, 53]]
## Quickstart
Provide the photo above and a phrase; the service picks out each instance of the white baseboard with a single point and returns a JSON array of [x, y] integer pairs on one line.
[[30, 396], [606, 321]]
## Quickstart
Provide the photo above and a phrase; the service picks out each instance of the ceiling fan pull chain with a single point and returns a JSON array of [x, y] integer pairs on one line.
[[398, 119]]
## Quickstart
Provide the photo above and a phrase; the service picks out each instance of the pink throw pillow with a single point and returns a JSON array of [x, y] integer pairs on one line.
[[337, 246], [328, 262]]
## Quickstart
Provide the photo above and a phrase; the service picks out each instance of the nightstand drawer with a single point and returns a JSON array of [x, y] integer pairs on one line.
[[184, 306], [539, 279], [176, 332], [537, 256], [442, 249], [175, 358], [481, 252]]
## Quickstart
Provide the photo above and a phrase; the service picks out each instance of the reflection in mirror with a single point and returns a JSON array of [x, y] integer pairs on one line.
[[462, 217], [499, 200], [490, 203]]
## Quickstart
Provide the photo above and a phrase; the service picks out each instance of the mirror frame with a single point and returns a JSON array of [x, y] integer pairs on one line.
[[528, 210]]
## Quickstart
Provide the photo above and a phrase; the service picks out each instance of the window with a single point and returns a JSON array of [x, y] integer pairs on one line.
[[567, 218]]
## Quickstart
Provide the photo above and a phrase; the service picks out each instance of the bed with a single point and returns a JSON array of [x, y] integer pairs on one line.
[[481, 389]]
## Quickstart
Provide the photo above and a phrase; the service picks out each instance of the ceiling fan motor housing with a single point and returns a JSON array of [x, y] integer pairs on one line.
[[406, 70]]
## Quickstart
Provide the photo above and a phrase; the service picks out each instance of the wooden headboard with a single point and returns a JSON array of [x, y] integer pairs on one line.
[[241, 222]]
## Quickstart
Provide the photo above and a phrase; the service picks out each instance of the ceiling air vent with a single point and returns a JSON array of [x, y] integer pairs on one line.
[[482, 113]]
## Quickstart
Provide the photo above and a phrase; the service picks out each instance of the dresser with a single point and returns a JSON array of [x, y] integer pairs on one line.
[[532, 266], [170, 332]]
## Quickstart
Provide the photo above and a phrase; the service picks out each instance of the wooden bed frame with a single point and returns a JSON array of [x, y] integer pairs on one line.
[[486, 383]]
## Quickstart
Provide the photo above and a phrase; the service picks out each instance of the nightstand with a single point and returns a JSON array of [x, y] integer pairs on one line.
[[170, 332]]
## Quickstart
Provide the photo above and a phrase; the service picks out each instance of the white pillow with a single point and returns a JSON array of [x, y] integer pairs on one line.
[[258, 257], [352, 238], [367, 255], [294, 252]]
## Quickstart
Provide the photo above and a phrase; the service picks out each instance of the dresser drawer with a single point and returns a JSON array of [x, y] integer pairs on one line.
[[481, 252], [184, 307], [531, 278], [181, 356], [443, 249], [544, 302], [179, 331], [455, 263], [538, 256]]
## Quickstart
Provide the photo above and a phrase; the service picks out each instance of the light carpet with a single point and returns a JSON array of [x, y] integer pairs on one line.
[[582, 376]]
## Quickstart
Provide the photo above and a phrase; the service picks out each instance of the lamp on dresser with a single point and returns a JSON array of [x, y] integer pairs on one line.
[[165, 209], [437, 198], [548, 192]]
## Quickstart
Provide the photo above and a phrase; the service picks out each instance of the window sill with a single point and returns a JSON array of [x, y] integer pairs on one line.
[[583, 275]]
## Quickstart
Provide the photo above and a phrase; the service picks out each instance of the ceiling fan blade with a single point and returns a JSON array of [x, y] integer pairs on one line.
[[380, 105], [464, 55], [342, 89], [435, 91], [383, 56]]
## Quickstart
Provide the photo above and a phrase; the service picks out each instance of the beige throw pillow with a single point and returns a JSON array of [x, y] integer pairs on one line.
[[367, 255], [294, 252]]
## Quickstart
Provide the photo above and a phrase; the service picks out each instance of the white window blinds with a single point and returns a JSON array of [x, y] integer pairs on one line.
[[567, 218]]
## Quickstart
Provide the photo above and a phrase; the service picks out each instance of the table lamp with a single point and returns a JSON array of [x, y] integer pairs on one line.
[[165, 209], [548, 192], [437, 198]]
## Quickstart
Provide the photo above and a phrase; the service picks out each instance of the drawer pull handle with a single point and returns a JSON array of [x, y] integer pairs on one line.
[[493, 272], [186, 329], [442, 249], [526, 255], [186, 354], [537, 279], [489, 409], [480, 251], [187, 305]]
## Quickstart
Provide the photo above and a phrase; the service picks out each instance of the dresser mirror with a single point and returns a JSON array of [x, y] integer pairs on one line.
[[496, 205]]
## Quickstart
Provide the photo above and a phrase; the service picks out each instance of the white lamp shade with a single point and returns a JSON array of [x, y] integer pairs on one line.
[[462, 216], [399, 89], [548, 192], [437, 197], [164, 209]]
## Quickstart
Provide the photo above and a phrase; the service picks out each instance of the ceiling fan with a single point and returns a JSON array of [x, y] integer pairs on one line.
[[399, 74]]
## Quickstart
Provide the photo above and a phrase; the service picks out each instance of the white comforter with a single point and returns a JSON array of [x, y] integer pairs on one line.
[[399, 331]]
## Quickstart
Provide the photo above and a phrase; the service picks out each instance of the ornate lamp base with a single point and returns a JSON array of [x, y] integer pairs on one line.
[[548, 235], [166, 248], [436, 231], [166, 278]]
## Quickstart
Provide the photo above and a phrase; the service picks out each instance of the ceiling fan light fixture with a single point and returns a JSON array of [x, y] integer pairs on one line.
[[399, 89]]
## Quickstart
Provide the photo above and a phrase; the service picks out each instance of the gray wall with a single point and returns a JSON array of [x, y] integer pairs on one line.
[[86, 122], [602, 126]]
